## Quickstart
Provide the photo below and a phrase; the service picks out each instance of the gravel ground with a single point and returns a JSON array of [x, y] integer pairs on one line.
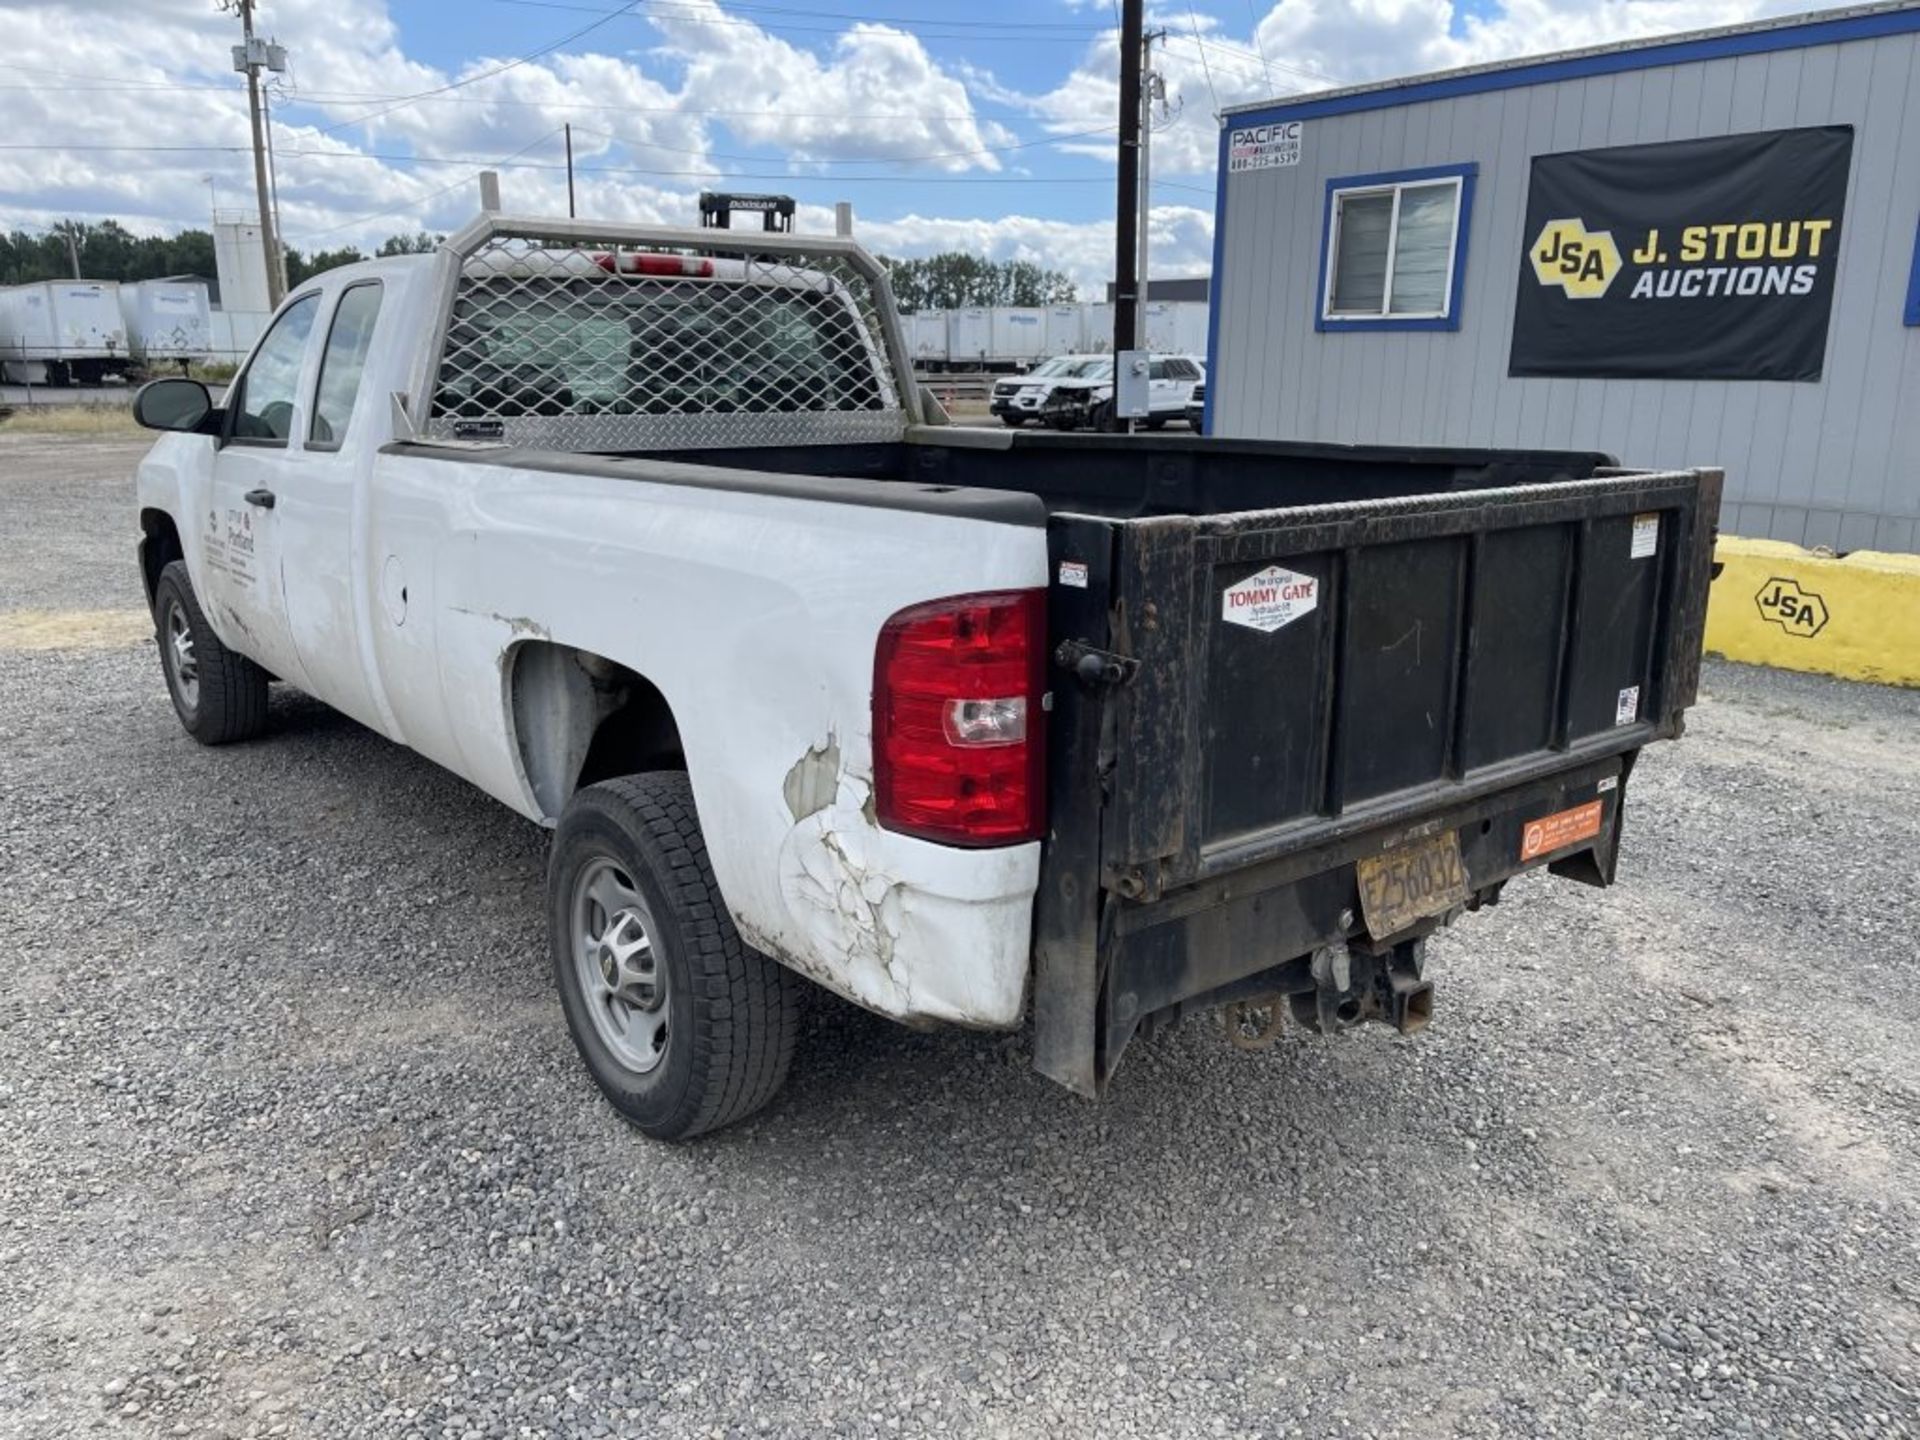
[[293, 1141]]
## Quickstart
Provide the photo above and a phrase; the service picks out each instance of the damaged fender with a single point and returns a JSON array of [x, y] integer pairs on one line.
[[913, 930]]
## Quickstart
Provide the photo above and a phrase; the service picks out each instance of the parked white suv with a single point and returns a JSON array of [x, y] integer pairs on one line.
[[1083, 398]]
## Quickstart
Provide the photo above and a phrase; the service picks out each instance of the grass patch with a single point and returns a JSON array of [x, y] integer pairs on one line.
[[74, 629], [109, 421]]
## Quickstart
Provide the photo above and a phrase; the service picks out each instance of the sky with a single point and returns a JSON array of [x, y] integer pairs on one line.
[[986, 126]]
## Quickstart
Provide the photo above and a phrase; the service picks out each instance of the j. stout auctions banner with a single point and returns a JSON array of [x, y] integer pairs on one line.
[[1694, 260]]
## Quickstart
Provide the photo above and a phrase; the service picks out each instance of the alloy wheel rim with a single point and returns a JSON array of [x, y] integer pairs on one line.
[[182, 664], [623, 977]]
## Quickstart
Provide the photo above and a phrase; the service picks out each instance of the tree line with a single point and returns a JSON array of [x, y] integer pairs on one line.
[[955, 278], [109, 251]]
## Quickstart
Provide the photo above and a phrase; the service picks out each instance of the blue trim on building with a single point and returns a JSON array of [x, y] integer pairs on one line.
[[1912, 316], [1213, 289], [1547, 72], [1466, 173]]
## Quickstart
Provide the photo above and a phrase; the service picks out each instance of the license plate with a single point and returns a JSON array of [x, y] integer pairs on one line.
[[1411, 883]]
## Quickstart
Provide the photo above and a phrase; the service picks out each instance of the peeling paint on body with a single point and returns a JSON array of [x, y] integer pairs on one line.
[[811, 783]]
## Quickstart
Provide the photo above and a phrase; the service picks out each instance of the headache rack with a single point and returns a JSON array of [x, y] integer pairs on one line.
[[591, 336]]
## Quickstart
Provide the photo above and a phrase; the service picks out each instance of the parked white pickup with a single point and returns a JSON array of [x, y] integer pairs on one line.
[[648, 534]]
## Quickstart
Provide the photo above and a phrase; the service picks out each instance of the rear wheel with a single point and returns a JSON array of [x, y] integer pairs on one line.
[[682, 1026], [1156, 422], [219, 694]]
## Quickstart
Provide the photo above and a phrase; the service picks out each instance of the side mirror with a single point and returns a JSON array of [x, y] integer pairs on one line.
[[173, 404]]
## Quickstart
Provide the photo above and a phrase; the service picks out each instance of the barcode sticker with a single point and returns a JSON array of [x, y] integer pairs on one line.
[[1646, 536], [1627, 709]]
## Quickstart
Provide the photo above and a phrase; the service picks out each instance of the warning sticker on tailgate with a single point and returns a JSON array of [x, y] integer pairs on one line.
[[1269, 599], [1563, 828]]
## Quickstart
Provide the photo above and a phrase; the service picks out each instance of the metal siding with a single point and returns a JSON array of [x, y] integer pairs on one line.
[[1834, 462]]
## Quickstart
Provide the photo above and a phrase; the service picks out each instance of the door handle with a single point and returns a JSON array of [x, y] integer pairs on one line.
[[262, 497]]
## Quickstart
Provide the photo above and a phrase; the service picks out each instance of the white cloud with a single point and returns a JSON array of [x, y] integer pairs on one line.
[[1304, 45], [709, 85], [703, 85]]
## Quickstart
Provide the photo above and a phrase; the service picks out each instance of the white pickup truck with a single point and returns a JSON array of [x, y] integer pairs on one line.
[[648, 534]]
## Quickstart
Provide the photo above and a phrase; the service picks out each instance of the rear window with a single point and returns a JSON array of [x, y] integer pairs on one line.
[[584, 346]]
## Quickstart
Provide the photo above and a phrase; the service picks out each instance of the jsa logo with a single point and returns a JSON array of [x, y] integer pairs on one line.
[[1796, 611], [1580, 262]]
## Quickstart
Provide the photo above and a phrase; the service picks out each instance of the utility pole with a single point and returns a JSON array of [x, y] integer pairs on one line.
[[250, 57], [1126, 218], [273, 193], [569, 169], [73, 248], [1152, 88]]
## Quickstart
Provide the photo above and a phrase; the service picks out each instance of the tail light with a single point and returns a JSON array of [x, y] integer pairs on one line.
[[959, 734], [629, 263]]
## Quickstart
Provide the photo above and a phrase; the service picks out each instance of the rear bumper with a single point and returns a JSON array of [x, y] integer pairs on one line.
[[1251, 931]]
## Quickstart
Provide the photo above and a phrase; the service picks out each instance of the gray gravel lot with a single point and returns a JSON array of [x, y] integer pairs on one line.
[[293, 1140]]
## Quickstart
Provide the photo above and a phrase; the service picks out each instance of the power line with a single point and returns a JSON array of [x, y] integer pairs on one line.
[[1247, 60], [395, 159], [1058, 139], [1206, 69], [1059, 33], [318, 98], [431, 194], [852, 159], [1253, 20], [515, 64]]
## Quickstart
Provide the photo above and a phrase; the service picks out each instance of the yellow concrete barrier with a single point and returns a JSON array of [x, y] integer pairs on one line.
[[1857, 617]]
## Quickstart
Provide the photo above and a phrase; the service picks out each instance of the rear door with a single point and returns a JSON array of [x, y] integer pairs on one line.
[[260, 451]]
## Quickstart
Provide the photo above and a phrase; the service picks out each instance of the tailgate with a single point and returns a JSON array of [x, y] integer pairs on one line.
[[1299, 684]]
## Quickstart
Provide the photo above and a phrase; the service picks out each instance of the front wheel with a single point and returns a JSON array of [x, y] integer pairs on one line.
[[219, 694], [682, 1027]]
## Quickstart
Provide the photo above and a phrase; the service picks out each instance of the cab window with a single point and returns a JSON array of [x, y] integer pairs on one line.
[[262, 399], [341, 364]]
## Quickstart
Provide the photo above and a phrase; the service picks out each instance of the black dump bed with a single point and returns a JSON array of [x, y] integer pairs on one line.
[[1248, 703]]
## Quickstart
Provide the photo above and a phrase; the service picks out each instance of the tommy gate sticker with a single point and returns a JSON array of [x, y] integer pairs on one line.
[[1269, 599]]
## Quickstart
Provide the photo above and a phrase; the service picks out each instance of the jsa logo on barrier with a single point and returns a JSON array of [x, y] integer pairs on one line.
[[1796, 611], [1269, 599]]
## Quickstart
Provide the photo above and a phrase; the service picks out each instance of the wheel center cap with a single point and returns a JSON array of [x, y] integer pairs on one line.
[[609, 967]]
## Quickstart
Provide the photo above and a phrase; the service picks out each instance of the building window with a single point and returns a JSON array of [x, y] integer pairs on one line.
[[1394, 250], [1912, 316]]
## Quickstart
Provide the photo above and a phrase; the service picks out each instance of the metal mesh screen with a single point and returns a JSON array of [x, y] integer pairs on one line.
[[583, 347]]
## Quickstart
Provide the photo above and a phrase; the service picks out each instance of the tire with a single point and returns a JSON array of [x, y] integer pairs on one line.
[[1156, 422], [1013, 422], [219, 694], [682, 1026]]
